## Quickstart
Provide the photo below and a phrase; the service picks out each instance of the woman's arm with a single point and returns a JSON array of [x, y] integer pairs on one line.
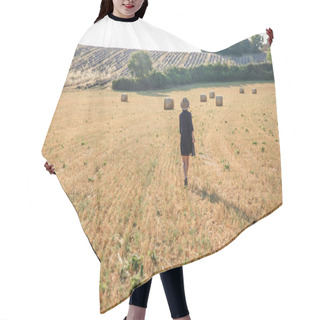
[[192, 131], [49, 167]]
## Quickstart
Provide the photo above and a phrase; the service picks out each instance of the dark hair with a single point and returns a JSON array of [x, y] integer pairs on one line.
[[106, 7]]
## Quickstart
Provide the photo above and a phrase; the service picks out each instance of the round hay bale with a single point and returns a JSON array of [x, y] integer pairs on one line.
[[168, 104], [241, 90], [124, 97], [211, 94], [254, 90], [219, 101], [203, 97]]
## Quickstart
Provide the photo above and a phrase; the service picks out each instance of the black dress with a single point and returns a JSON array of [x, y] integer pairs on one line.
[[186, 128]]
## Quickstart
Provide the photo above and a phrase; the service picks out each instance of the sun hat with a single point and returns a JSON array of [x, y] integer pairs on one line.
[[184, 104]]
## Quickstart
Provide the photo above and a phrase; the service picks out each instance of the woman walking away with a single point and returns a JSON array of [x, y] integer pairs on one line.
[[187, 137]]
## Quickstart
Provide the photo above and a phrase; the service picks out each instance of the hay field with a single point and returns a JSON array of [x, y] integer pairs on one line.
[[120, 165]]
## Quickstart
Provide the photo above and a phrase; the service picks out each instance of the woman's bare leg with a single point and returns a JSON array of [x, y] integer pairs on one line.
[[136, 313], [184, 160], [183, 318], [187, 164]]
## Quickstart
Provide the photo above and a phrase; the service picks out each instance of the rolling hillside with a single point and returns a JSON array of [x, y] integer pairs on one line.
[[105, 64]]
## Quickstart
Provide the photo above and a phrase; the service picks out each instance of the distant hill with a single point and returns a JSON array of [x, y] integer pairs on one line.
[[97, 66]]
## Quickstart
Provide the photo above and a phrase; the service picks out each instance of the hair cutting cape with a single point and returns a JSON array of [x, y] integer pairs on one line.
[[115, 141]]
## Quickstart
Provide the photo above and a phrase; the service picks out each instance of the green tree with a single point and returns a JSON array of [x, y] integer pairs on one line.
[[256, 41], [268, 57], [140, 64]]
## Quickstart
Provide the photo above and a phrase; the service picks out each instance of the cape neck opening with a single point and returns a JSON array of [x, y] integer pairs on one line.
[[113, 17]]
